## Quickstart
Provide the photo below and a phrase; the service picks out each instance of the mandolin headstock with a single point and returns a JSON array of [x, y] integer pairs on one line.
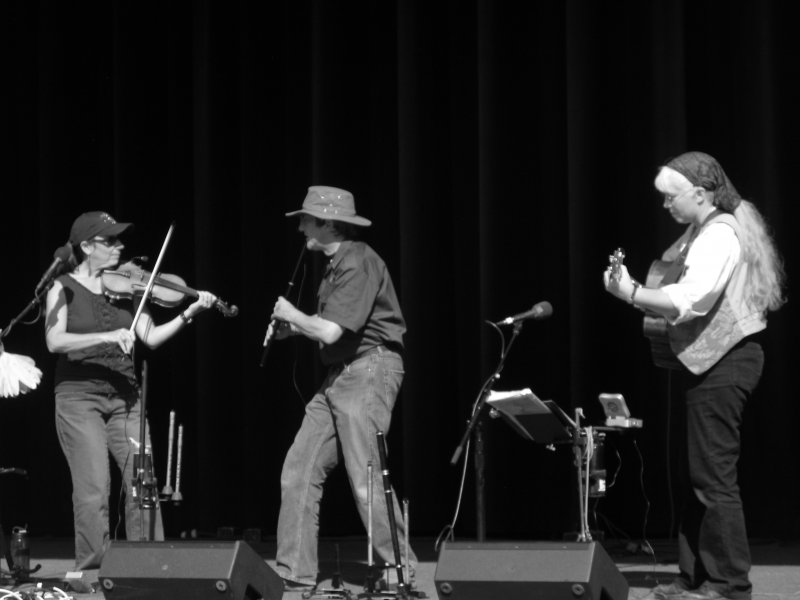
[[615, 262]]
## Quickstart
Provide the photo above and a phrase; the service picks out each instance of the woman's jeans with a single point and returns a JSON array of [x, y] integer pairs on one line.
[[90, 427], [713, 544], [354, 402]]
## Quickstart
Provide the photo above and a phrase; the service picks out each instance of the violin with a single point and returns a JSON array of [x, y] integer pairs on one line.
[[168, 290]]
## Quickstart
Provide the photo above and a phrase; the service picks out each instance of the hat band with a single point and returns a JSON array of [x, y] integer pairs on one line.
[[333, 209]]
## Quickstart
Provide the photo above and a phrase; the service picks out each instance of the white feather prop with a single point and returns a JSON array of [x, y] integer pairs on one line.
[[18, 374]]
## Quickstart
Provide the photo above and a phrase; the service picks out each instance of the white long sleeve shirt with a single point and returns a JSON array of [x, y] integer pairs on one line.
[[708, 268]]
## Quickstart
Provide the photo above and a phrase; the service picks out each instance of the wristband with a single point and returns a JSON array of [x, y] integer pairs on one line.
[[636, 286], [186, 320]]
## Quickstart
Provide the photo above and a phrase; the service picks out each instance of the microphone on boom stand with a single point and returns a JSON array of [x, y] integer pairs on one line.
[[539, 311], [62, 256]]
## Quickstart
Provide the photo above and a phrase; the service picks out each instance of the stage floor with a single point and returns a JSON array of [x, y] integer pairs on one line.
[[775, 572]]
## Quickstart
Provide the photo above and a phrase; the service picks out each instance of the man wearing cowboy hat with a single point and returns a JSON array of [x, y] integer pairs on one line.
[[359, 327]]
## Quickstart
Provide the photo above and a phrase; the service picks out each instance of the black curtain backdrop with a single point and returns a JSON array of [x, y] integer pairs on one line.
[[503, 151]]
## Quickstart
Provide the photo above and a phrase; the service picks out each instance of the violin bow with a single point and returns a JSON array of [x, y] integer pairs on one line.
[[149, 289]]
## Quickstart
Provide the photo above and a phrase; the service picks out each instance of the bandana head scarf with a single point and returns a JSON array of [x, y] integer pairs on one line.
[[704, 171]]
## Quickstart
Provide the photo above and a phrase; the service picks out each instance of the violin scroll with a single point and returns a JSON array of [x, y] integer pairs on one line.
[[227, 310]]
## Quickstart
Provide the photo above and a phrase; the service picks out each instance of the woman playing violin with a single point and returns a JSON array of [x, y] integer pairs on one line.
[[96, 390]]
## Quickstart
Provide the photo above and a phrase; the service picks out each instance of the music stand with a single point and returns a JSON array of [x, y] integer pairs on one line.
[[545, 422], [535, 420]]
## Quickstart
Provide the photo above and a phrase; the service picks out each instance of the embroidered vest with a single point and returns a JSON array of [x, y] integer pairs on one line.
[[700, 342]]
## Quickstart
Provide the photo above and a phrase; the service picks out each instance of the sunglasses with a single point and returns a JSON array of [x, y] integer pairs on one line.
[[109, 241]]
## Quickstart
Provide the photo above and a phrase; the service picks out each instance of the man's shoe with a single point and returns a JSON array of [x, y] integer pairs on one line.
[[704, 592], [670, 591], [296, 586], [79, 586]]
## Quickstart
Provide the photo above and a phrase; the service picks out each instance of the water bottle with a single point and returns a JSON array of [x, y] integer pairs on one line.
[[20, 550]]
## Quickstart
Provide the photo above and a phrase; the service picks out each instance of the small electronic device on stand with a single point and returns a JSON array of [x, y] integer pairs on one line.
[[544, 421], [617, 414]]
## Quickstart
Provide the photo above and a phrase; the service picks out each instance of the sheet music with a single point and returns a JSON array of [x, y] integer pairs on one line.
[[531, 417]]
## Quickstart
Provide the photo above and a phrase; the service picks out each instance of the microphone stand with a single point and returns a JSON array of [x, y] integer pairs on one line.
[[37, 301], [475, 426], [38, 294]]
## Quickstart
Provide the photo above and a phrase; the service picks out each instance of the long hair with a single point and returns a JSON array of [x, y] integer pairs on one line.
[[765, 274]]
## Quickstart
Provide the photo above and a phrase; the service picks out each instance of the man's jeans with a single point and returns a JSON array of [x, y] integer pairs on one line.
[[354, 402], [90, 426], [712, 539]]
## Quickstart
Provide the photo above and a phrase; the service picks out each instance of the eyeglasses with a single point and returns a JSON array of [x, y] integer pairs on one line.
[[670, 199], [109, 241]]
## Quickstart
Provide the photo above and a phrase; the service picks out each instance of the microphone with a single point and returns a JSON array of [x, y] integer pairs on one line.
[[12, 471], [540, 310], [60, 256]]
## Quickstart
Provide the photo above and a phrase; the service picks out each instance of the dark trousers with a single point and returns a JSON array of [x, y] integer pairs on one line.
[[713, 544]]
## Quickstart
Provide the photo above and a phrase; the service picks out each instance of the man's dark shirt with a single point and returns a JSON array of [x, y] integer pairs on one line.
[[357, 294]]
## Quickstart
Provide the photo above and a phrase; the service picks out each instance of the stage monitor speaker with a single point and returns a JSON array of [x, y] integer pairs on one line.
[[196, 570], [526, 570]]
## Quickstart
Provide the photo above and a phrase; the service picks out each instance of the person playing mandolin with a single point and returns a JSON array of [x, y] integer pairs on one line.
[[725, 275], [96, 389]]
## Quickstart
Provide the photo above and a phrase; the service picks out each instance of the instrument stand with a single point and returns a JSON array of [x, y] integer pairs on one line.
[[578, 443], [337, 589], [332, 593], [145, 486], [587, 447], [373, 588]]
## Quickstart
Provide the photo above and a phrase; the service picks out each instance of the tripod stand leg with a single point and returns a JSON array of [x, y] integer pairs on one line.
[[387, 489], [5, 548], [407, 541]]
